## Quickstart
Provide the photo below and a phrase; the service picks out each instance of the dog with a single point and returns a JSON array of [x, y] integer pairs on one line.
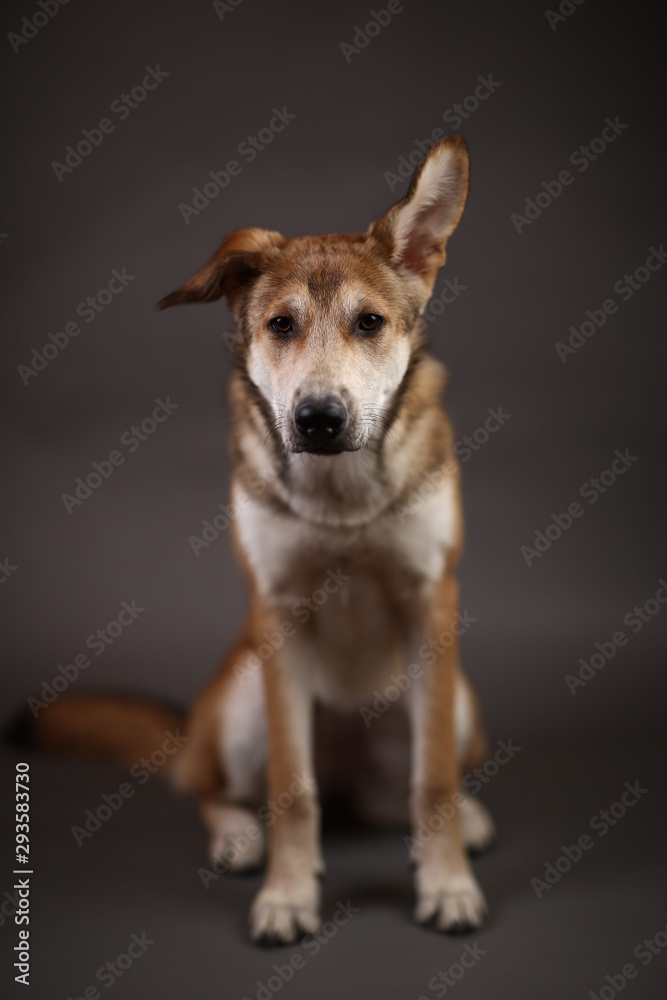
[[338, 422]]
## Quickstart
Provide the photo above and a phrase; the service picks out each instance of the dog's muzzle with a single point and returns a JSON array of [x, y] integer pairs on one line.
[[320, 423]]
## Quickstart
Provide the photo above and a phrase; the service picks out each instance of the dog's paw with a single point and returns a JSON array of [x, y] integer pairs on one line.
[[237, 839], [455, 904], [477, 827], [237, 853], [281, 914]]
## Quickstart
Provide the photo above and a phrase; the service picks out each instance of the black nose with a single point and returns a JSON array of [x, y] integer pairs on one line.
[[320, 421]]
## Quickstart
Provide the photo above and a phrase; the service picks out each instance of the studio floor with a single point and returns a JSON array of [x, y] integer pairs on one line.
[[137, 882]]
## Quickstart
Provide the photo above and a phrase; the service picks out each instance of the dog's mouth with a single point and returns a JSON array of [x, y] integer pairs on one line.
[[336, 448]]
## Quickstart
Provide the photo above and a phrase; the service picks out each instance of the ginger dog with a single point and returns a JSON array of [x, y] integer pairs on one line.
[[337, 418]]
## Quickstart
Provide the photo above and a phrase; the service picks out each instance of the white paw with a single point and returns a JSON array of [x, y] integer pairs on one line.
[[283, 913], [455, 904], [477, 827], [237, 838]]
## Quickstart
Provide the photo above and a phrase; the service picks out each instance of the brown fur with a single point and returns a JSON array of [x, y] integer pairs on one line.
[[89, 725], [391, 391]]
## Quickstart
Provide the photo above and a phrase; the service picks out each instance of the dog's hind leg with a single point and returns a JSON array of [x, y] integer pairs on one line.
[[471, 745], [477, 827], [225, 760]]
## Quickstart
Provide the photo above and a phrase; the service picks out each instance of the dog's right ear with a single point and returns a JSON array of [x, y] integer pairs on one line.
[[239, 260]]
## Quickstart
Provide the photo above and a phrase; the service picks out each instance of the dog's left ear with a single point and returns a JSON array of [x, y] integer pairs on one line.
[[235, 264], [415, 231]]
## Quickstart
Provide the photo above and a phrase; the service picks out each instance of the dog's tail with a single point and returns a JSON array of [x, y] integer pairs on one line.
[[121, 728]]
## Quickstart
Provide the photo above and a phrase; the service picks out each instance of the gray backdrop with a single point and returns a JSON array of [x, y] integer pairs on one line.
[[552, 81]]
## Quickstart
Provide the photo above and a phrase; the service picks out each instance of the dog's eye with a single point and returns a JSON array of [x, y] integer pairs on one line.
[[369, 323], [281, 326]]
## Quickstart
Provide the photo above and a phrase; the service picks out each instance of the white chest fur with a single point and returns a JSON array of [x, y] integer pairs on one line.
[[406, 545], [355, 588]]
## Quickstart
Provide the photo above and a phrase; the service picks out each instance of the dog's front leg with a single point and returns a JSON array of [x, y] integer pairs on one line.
[[288, 904], [447, 891]]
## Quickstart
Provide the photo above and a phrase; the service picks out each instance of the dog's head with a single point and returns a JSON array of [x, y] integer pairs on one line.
[[328, 325]]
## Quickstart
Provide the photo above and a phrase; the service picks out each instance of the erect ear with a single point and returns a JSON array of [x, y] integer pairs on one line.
[[240, 258], [415, 231]]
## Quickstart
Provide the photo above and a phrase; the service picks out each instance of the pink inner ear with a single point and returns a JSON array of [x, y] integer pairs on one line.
[[417, 248]]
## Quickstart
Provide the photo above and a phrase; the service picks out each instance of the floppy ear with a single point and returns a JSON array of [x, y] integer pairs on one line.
[[239, 259], [415, 231]]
